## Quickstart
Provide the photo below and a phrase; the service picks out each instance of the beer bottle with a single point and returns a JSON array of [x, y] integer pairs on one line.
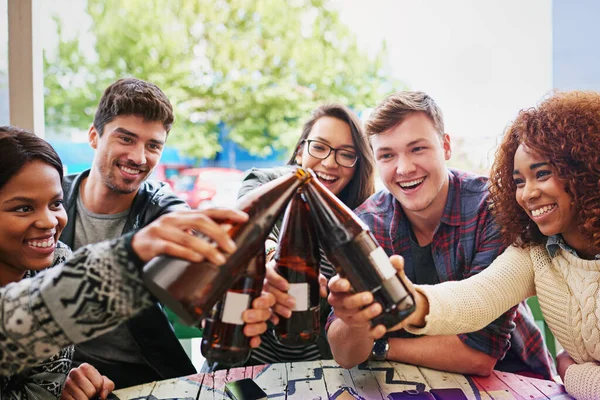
[[355, 253], [223, 341], [191, 289], [297, 260]]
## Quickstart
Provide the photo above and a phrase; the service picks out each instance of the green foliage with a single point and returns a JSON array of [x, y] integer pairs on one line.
[[257, 67]]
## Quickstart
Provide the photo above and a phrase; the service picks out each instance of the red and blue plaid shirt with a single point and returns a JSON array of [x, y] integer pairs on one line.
[[464, 243]]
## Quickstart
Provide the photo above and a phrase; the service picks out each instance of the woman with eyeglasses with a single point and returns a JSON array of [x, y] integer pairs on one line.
[[334, 146]]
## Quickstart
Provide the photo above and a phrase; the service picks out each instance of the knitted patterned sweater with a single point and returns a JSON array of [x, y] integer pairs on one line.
[[89, 294], [568, 291]]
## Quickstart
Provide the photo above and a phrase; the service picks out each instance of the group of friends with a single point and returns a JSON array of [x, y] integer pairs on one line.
[[470, 249]]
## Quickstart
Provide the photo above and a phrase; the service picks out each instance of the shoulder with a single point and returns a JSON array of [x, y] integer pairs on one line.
[[156, 189], [159, 195], [265, 175], [539, 256], [469, 184], [259, 176], [471, 191], [71, 182], [534, 256], [381, 202]]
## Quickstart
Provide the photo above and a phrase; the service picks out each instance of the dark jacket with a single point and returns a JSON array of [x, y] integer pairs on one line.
[[151, 330]]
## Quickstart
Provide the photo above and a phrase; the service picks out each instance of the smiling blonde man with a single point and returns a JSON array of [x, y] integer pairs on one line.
[[439, 220]]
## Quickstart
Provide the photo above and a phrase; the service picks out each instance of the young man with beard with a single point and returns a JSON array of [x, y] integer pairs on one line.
[[128, 135], [439, 220]]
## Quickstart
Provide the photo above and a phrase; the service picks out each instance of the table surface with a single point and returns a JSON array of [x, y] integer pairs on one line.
[[327, 380]]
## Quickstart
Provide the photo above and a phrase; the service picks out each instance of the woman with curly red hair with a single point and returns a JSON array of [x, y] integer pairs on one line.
[[546, 197]]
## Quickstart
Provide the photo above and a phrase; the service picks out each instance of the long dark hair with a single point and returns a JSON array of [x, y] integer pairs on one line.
[[362, 184], [18, 147]]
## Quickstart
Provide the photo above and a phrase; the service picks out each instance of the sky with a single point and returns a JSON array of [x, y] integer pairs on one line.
[[482, 61]]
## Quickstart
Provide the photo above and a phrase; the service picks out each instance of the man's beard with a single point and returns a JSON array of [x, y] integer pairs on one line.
[[110, 181]]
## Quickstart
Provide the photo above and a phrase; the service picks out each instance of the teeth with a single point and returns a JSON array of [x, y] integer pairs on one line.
[[42, 243], [326, 177], [411, 183], [130, 170], [543, 210]]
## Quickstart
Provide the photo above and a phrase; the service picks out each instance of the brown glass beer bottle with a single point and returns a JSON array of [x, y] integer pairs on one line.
[[297, 260], [223, 341], [355, 253], [191, 289]]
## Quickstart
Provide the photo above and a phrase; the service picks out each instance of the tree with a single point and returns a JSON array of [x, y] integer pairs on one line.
[[255, 67]]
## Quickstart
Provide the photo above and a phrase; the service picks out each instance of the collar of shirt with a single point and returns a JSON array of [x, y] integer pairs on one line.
[[556, 242]]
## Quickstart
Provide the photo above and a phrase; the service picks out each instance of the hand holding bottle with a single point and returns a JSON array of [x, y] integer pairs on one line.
[[278, 286], [358, 309], [170, 235], [256, 317]]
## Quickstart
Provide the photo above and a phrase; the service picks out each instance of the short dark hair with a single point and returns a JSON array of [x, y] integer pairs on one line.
[[19, 147], [397, 106], [132, 96], [362, 184]]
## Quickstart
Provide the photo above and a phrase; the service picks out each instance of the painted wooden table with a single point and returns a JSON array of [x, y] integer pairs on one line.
[[327, 380]]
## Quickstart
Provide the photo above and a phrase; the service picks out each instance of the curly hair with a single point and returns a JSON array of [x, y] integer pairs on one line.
[[564, 129]]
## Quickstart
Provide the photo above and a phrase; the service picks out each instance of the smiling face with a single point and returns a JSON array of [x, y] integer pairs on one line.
[[411, 158], [542, 195], [33, 217], [127, 151], [335, 133]]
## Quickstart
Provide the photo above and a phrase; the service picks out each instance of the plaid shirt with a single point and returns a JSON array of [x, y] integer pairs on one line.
[[464, 243]]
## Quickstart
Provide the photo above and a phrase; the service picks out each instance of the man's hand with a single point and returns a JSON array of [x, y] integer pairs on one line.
[[170, 235], [563, 362], [355, 310], [256, 317], [85, 382]]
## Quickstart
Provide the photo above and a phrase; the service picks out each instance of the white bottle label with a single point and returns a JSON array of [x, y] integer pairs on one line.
[[235, 305], [301, 292], [383, 264]]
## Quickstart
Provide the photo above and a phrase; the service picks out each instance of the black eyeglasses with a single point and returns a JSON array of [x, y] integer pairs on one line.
[[320, 150]]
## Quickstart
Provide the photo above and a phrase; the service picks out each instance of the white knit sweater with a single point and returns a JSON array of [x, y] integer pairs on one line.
[[568, 291]]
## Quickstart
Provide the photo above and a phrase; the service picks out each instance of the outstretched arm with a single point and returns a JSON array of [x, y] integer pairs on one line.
[[471, 304], [99, 287]]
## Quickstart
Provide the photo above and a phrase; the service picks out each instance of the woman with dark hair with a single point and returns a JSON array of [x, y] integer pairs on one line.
[[335, 147], [545, 186], [45, 310]]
